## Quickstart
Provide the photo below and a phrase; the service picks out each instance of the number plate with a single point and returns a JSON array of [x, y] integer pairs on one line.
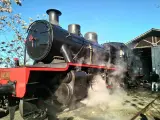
[[4, 75]]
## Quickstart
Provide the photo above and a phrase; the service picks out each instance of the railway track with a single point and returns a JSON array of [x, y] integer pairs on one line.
[[132, 108], [150, 112], [137, 106]]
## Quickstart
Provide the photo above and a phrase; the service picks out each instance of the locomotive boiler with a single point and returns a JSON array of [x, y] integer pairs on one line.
[[47, 41], [64, 64]]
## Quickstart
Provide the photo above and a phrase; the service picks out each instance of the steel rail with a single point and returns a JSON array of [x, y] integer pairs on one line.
[[142, 111]]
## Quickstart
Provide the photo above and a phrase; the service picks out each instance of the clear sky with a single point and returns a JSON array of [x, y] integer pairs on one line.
[[112, 20]]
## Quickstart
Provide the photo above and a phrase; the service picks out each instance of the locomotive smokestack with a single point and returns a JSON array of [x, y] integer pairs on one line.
[[91, 36], [75, 29], [54, 16]]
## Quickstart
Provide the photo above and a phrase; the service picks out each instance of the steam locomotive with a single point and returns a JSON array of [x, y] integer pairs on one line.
[[65, 63]]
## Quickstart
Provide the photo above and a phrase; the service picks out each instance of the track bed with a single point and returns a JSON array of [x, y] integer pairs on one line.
[[133, 103]]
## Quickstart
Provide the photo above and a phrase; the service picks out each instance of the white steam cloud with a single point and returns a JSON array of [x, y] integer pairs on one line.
[[103, 103], [98, 94], [106, 100]]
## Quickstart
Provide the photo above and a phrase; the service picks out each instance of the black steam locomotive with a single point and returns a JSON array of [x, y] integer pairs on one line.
[[50, 45], [64, 64]]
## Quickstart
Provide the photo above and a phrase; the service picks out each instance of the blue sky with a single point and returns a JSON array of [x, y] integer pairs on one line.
[[112, 20]]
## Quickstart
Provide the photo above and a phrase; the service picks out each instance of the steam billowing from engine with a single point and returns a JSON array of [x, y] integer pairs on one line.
[[55, 86]]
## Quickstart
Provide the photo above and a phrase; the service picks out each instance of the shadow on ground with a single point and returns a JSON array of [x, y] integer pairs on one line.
[[3, 114]]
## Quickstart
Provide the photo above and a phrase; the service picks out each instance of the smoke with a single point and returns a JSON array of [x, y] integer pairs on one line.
[[103, 100], [106, 102], [98, 94]]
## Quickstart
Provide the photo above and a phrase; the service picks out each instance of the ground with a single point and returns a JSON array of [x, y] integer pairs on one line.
[[133, 103]]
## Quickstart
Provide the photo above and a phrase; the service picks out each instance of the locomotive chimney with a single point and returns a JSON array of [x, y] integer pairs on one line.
[[54, 16], [91, 36], [75, 29]]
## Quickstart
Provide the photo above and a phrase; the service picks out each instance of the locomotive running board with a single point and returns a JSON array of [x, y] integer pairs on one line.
[[67, 65], [91, 66], [20, 75]]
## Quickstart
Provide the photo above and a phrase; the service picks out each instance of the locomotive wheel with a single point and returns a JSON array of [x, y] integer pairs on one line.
[[33, 116], [43, 108], [63, 93], [4, 113]]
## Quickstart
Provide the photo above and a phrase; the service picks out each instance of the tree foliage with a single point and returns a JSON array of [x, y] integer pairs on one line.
[[6, 5], [13, 29]]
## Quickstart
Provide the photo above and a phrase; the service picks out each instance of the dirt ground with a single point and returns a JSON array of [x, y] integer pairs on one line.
[[133, 103]]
